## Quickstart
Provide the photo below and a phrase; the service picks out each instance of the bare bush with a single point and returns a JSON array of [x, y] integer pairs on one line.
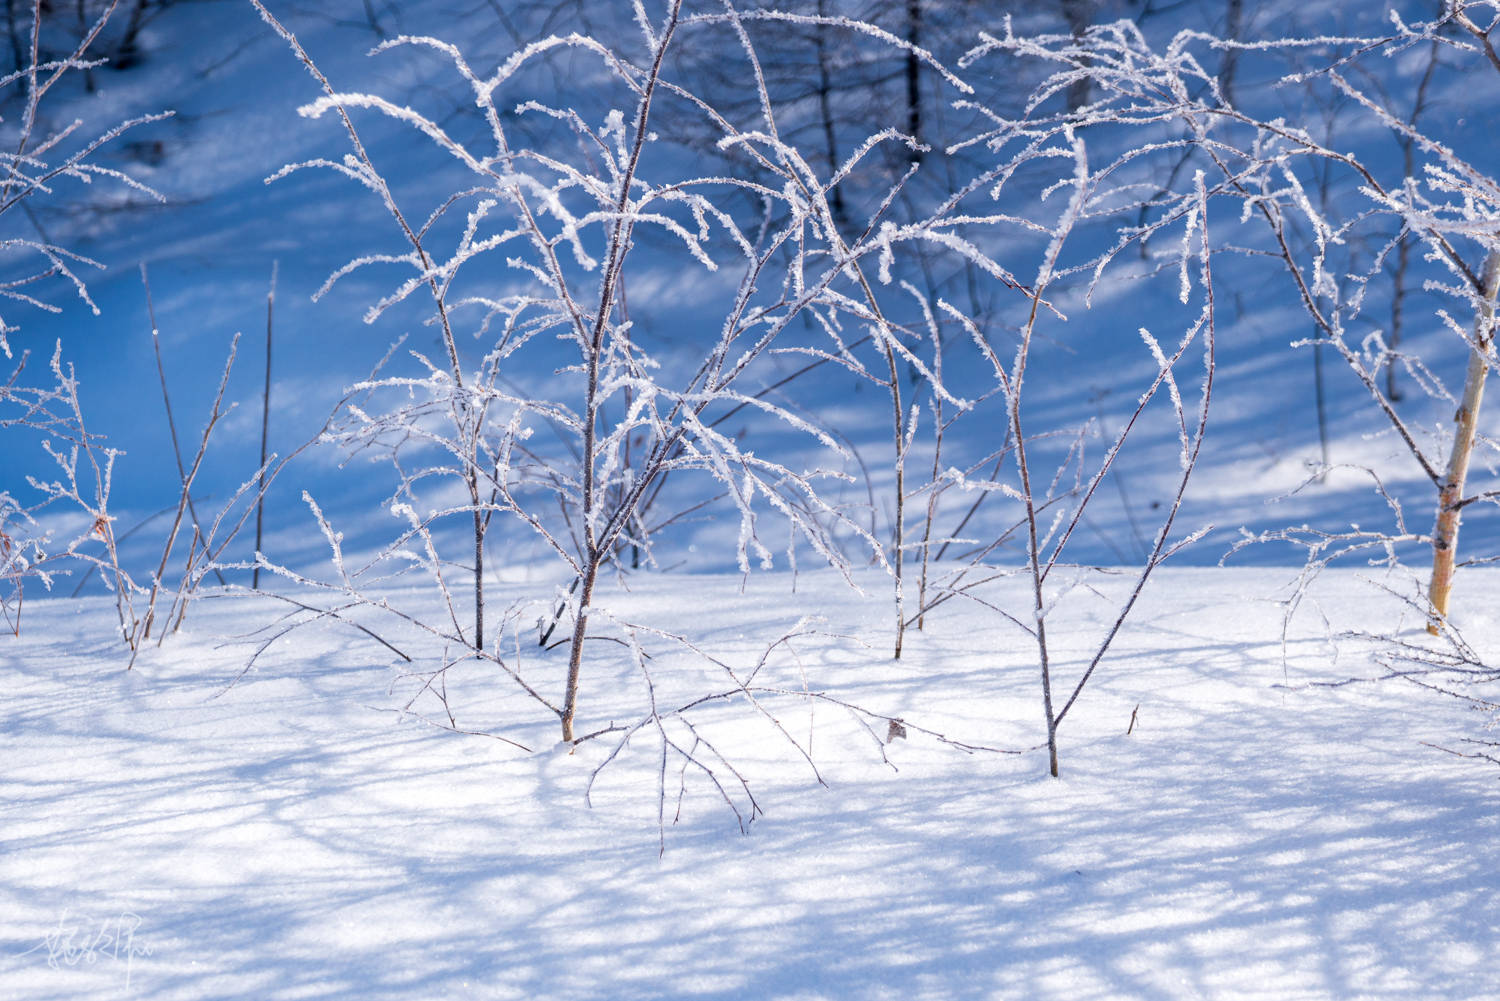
[[78, 489], [1334, 251], [72, 495], [574, 459]]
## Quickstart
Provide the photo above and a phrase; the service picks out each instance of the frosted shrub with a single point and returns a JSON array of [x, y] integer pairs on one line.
[[1341, 224], [76, 486], [1411, 215], [552, 415], [552, 411], [68, 490]]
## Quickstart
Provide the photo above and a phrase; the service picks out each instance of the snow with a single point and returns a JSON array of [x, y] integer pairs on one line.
[[1249, 805], [1256, 835]]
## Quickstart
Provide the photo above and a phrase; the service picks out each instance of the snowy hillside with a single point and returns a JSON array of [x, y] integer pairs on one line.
[[234, 89]]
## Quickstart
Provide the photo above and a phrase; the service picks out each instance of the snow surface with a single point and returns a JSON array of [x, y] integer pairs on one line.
[[169, 836]]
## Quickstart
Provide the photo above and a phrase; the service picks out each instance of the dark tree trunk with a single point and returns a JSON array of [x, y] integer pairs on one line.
[[1234, 16], [1079, 14], [914, 73], [826, 113]]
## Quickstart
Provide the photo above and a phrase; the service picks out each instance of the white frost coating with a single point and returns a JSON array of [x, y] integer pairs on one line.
[[1164, 370], [1185, 287], [432, 130], [614, 126]]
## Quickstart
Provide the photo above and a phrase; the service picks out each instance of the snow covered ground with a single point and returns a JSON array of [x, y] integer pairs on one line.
[[1256, 835]]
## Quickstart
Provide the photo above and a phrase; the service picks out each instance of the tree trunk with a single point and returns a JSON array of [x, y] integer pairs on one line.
[[127, 53], [1233, 29], [914, 74], [1451, 491], [575, 654], [826, 113], [1079, 14], [478, 564], [265, 433], [17, 49]]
